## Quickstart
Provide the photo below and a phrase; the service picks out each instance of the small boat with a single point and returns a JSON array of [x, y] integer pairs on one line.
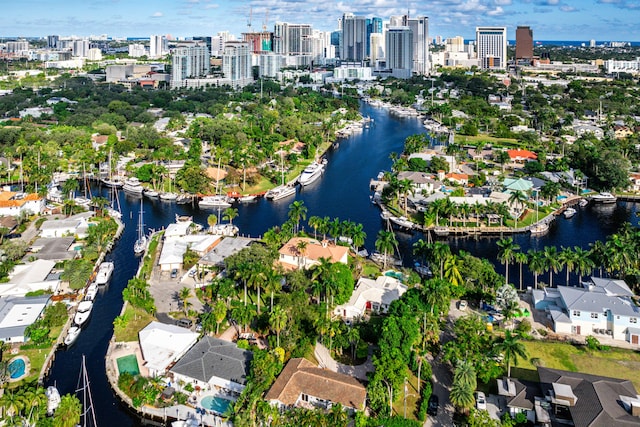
[[604, 198], [141, 242], [247, 198], [225, 230], [82, 201], [114, 182], [402, 222], [385, 214], [569, 212], [184, 218], [53, 399], [281, 192], [441, 230], [183, 199], [148, 192], [311, 173], [72, 335], [168, 196], [539, 228], [583, 202], [379, 258], [216, 201], [113, 213], [422, 270], [83, 313], [132, 186], [104, 273], [91, 292]]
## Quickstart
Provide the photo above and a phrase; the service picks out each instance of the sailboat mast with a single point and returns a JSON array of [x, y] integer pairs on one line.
[[88, 416]]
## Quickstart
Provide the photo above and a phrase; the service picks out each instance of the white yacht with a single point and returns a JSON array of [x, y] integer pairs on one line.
[[569, 212], [168, 197], [311, 173], [132, 186], [281, 192], [225, 230], [248, 198], [141, 242], [53, 399], [539, 228], [91, 292], [83, 313], [217, 201], [603, 197], [104, 273], [72, 335], [402, 222], [149, 192], [113, 182]]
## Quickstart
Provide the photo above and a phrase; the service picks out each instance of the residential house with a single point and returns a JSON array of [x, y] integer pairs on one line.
[[17, 313], [420, 181], [162, 345], [29, 277], [634, 179], [602, 307], [457, 178], [301, 384], [77, 225], [225, 248], [517, 184], [521, 156], [374, 295], [214, 363], [16, 204], [520, 396], [303, 252], [582, 129], [176, 246], [621, 131]]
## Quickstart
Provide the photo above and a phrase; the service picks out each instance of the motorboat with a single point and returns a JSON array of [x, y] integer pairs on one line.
[[168, 197], [91, 292], [141, 242], [604, 197], [72, 335], [114, 182], [225, 230], [311, 173], [402, 222], [183, 199], [583, 202], [422, 270], [82, 201], [569, 212], [216, 201], [539, 228], [441, 230], [132, 186], [84, 312], [379, 258], [248, 198], [104, 273], [148, 192], [385, 214], [281, 192], [53, 399]]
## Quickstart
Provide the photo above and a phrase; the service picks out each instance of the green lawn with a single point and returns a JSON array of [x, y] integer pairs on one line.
[[474, 140], [412, 398], [615, 363], [137, 319]]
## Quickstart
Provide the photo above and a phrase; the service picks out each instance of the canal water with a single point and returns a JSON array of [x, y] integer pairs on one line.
[[342, 192]]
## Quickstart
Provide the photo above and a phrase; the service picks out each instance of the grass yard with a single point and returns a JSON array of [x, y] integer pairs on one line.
[[486, 139], [136, 319], [615, 363], [412, 398]]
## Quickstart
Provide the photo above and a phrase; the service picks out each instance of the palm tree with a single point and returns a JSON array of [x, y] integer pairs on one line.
[[439, 253], [584, 264], [219, 311], [506, 253], [518, 198], [315, 223], [552, 263], [184, 295], [297, 212], [12, 403], [568, 258], [512, 348], [353, 335], [278, 320], [301, 249], [256, 279], [452, 266], [230, 214], [536, 264], [212, 220], [385, 243], [421, 250], [68, 412], [358, 236], [437, 293], [521, 258], [465, 374], [404, 187]]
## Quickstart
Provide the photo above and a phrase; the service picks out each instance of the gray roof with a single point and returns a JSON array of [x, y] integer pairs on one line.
[[597, 302], [598, 397], [213, 357], [518, 394], [13, 324], [227, 247], [611, 286], [53, 248]]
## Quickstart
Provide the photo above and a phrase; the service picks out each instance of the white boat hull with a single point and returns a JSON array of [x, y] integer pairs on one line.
[[104, 273], [84, 312], [281, 192], [72, 335]]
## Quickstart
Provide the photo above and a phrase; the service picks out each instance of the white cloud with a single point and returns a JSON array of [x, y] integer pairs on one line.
[[157, 15], [496, 12]]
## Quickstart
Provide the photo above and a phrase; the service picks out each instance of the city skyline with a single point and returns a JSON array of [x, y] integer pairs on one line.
[[549, 19]]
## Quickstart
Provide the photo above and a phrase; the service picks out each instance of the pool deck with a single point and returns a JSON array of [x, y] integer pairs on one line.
[[121, 349], [27, 368]]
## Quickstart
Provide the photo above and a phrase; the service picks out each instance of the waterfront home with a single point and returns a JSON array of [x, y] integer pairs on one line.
[[174, 248], [634, 180], [429, 154], [225, 248], [303, 252], [301, 384], [521, 156], [163, 345], [53, 248], [15, 204], [213, 363], [420, 181], [76, 225], [601, 307], [31, 277], [17, 313], [517, 184], [373, 295], [457, 178]]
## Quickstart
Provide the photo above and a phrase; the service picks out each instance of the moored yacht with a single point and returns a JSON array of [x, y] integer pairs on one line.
[[569, 212], [604, 197], [132, 186], [72, 335], [91, 292], [216, 201], [104, 273], [311, 173], [83, 313], [149, 192], [402, 221], [168, 197], [281, 192]]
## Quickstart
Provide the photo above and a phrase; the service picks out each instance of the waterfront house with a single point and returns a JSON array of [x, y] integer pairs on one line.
[[214, 363], [17, 313], [31, 277], [175, 247], [162, 345], [225, 248], [457, 178], [634, 182], [420, 181], [76, 225], [15, 204], [301, 384], [294, 256], [374, 295], [601, 307]]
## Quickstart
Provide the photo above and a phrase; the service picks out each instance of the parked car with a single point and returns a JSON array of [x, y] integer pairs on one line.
[[462, 305], [481, 401], [434, 403], [185, 323], [174, 273]]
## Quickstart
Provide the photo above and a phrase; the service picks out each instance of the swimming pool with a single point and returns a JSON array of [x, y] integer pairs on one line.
[[17, 368], [216, 404], [128, 364]]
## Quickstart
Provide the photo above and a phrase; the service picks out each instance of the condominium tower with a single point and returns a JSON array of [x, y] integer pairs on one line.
[[353, 46], [492, 47]]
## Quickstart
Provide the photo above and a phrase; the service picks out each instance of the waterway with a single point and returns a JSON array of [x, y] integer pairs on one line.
[[342, 192]]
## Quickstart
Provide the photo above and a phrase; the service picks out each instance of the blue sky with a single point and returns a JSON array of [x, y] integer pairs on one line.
[[602, 20]]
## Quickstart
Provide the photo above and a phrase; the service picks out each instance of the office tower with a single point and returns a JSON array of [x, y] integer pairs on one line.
[[399, 44], [80, 48], [157, 46], [420, 29], [353, 45], [377, 48], [52, 41], [397, 20], [236, 63], [374, 26], [492, 47], [524, 43], [454, 44], [187, 62], [592, 43], [292, 39]]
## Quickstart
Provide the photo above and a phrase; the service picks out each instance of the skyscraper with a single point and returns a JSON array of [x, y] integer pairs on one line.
[[492, 47], [399, 45], [187, 62], [236, 63], [524, 43], [353, 47], [52, 41], [292, 39], [157, 46], [420, 28]]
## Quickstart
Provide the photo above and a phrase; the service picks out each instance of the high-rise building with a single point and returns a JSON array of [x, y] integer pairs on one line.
[[377, 48], [492, 47], [454, 44], [420, 29], [52, 41], [236, 63], [187, 62], [158, 46], [353, 47], [524, 44], [399, 45], [292, 39], [259, 43], [80, 48]]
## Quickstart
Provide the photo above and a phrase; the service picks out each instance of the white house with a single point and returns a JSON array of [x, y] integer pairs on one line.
[[17, 313], [163, 344], [375, 295], [76, 225], [14, 204], [31, 277], [174, 248], [420, 181], [601, 307]]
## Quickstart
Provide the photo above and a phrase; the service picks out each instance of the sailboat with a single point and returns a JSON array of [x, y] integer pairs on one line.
[[88, 415], [283, 190], [140, 244], [539, 227], [168, 196]]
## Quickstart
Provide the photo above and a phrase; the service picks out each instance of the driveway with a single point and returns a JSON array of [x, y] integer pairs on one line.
[[327, 362]]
